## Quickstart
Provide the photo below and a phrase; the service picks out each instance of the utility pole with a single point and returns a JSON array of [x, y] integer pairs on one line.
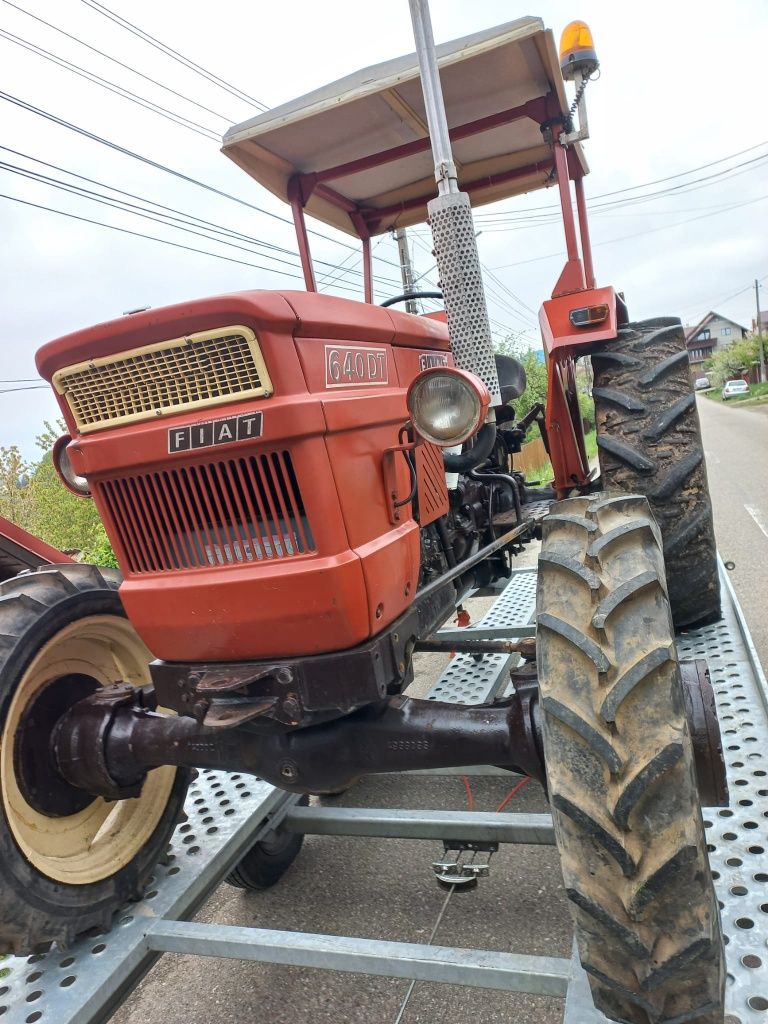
[[760, 332], [406, 270]]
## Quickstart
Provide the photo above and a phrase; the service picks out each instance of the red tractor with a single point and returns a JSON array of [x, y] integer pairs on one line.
[[300, 489]]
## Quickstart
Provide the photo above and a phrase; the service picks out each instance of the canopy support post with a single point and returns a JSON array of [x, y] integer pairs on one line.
[[586, 245], [296, 199], [572, 277]]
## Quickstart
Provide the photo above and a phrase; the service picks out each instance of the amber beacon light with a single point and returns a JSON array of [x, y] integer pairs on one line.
[[577, 51]]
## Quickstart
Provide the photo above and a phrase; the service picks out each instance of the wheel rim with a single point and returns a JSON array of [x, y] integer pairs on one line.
[[98, 841]]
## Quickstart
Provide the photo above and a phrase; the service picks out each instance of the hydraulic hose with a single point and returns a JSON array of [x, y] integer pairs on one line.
[[478, 453]]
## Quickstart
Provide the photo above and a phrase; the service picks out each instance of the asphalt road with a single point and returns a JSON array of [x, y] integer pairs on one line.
[[382, 889], [736, 446]]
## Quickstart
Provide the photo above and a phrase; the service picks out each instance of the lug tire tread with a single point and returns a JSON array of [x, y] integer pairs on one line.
[[620, 770], [649, 442], [36, 911]]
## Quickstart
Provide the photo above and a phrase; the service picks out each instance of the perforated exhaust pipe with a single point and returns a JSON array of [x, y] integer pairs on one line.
[[453, 231]]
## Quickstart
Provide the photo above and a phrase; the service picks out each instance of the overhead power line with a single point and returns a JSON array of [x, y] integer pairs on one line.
[[152, 238], [168, 170], [638, 234], [119, 205], [29, 387], [173, 54], [683, 189], [182, 222], [114, 60], [720, 302], [165, 241], [524, 222], [118, 90], [634, 188]]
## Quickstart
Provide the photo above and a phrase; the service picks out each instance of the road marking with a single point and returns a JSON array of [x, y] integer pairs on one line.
[[759, 518], [711, 457]]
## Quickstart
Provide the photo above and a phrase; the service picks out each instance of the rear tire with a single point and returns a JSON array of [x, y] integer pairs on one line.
[[620, 768], [267, 861], [649, 442], [62, 875]]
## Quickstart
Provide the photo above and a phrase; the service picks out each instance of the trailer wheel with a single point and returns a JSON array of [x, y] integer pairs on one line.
[[69, 866], [620, 768], [649, 442], [267, 861]]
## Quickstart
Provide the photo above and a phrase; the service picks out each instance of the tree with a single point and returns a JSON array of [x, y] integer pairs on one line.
[[59, 517], [733, 360], [15, 492], [536, 374]]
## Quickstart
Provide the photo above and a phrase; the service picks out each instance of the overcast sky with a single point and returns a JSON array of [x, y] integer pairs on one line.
[[682, 84]]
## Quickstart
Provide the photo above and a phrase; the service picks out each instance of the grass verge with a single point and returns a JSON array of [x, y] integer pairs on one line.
[[544, 473]]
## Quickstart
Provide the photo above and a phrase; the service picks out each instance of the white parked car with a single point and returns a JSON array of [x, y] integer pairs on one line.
[[735, 387], [700, 383]]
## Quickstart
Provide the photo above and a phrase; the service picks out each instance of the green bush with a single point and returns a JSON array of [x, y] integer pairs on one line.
[[587, 409], [100, 552], [729, 362], [33, 497], [535, 372]]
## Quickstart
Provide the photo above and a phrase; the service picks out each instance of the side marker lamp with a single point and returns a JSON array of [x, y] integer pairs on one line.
[[588, 316]]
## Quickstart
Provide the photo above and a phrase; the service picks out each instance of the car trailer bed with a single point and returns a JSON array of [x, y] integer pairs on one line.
[[85, 983]]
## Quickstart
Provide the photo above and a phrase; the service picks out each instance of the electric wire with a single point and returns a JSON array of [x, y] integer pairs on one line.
[[152, 238], [646, 184], [638, 234], [31, 108], [118, 90], [720, 302], [73, 190], [160, 218], [600, 209], [173, 54], [114, 60], [190, 217]]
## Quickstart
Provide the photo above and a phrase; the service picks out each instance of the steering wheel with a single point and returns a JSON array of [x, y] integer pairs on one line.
[[412, 295]]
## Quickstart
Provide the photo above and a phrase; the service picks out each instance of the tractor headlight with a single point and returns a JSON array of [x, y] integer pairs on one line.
[[63, 466], [447, 405]]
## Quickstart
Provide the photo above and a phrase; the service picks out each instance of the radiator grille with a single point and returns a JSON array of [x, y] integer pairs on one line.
[[430, 477], [233, 511], [202, 369]]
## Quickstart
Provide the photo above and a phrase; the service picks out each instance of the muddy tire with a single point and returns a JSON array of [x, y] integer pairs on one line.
[[620, 768], [649, 442], [267, 861], [63, 874]]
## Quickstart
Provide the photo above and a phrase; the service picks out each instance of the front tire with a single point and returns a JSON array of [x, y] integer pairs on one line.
[[68, 871], [620, 768], [649, 442]]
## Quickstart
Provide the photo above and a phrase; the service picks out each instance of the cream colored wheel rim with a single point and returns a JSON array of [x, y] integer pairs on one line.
[[102, 838]]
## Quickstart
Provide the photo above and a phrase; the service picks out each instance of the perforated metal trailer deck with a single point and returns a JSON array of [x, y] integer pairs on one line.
[[227, 813]]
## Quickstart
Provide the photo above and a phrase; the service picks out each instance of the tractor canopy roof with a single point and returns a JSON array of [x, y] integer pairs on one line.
[[356, 153]]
